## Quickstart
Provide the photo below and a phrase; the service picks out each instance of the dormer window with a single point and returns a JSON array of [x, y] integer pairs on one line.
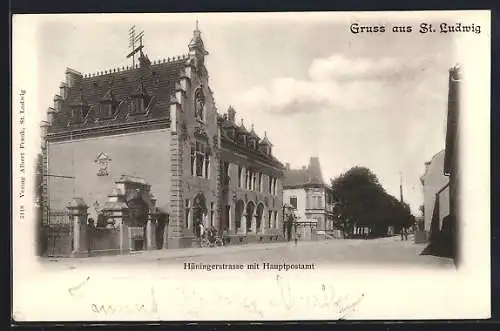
[[108, 105], [79, 110], [76, 114], [242, 139], [265, 145], [140, 100], [137, 106]]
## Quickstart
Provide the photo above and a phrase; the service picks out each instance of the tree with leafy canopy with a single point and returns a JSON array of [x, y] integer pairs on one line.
[[360, 200]]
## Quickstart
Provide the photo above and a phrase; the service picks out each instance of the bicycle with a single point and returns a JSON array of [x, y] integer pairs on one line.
[[218, 241], [204, 242]]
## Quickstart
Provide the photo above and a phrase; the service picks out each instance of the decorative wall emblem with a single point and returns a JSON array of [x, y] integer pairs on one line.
[[102, 161], [200, 132]]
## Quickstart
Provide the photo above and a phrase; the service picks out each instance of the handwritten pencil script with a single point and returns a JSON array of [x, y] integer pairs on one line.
[[171, 300]]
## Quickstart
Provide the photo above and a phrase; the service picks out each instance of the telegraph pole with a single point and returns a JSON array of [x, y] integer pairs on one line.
[[401, 186]]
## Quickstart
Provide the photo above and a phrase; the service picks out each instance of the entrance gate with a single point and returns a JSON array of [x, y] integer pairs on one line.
[[56, 236]]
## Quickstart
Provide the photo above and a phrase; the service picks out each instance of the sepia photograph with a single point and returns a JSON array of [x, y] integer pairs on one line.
[[251, 166]]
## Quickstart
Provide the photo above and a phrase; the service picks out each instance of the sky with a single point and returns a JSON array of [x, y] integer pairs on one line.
[[376, 99]]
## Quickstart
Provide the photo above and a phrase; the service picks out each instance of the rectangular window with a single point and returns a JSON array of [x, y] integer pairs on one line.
[[254, 181], [269, 219], [270, 185], [207, 166], [248, 179], [240, 177], [275, 219], [200, 160], [260, 182], [199, 164], [187, 214], [293, 202]]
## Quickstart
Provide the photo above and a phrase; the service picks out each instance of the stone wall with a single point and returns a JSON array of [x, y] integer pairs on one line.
[[433, 181], [144, 154]]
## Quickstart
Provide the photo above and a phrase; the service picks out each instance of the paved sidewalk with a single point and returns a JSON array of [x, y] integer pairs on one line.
[[173, 253]]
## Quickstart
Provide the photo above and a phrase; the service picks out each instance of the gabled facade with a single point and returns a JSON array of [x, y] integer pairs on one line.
[[154, 128], [436, 194], [306, 191]]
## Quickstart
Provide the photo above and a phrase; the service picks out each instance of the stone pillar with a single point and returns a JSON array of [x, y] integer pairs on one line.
[[254, 223], [176, 226], [230, 218], [124, 238], [243, 227], [78, 209], [165, 236], [150, 234], [263, 221]]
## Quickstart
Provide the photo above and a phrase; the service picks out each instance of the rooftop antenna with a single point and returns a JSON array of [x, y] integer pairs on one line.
[[133, 40]]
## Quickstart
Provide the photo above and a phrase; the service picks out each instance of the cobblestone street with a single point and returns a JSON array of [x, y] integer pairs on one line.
[[383, 251]]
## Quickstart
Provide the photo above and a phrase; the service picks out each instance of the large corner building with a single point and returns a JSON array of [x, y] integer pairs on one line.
[[147, 139]]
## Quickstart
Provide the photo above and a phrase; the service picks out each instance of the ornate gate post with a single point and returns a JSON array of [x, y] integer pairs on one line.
[[78, 211]]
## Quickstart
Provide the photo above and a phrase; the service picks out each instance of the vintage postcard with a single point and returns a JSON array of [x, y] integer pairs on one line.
[[251, 166]]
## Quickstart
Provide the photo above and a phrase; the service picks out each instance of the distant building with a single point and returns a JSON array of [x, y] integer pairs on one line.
[[306, 191], [436, 195]]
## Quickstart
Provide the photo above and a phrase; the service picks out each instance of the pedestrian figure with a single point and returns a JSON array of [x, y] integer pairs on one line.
[[202, 230], [402, 233], [406, 234]]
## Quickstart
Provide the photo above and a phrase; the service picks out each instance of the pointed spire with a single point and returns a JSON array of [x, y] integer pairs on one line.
[[252, 132], [265, 140], [196, 43]]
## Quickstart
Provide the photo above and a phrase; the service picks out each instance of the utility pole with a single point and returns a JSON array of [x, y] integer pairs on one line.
[[401, 186]]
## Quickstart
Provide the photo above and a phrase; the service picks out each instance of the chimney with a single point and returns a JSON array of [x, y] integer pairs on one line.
[[287, 166], [72, 77], [58, 103], [231, 114], [427, 164], [63, 90]]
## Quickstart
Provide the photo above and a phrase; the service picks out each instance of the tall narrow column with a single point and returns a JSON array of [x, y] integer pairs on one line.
[[150, 234], [243, 226], [78, 211], [254, 223]]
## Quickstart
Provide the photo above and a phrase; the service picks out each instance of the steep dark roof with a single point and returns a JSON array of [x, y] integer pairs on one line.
[[230, 140], [158, 81], [310, 176]]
